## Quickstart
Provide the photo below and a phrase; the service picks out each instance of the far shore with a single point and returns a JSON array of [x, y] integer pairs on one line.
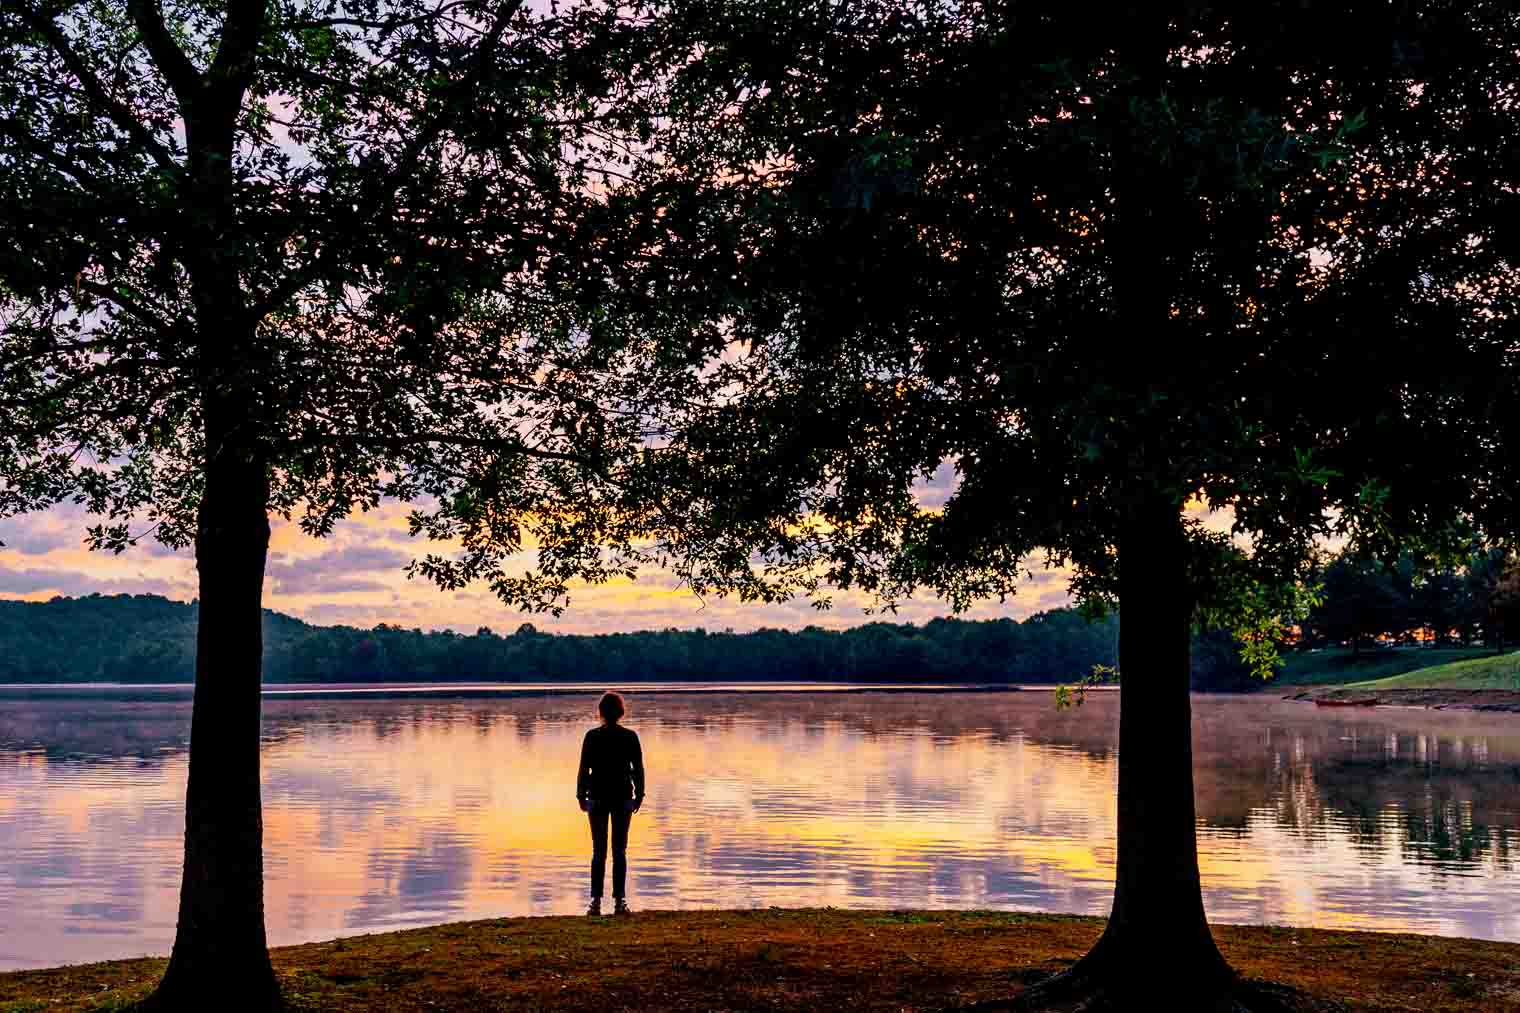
[[485, 688], [1331, 695], [789, 961]]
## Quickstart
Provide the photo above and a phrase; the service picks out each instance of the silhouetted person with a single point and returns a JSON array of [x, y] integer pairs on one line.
[[610, 786]]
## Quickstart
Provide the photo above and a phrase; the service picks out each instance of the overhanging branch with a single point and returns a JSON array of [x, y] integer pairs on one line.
[[26, 140], [132, 306], [233, 64], [123, 117], [444, 439], [403, 166], [171, 60]]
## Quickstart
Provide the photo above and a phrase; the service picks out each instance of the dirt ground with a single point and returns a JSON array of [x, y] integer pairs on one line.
[[798, 961]]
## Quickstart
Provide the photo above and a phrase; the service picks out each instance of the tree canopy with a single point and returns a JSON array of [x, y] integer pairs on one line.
[[370, 265], [1110, 269], [1263, 247]]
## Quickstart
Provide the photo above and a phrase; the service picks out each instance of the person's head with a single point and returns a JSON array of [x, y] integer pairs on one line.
[[611, 707]]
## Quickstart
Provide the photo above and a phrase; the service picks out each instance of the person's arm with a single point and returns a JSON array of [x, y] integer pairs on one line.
[[583, 772], [637, 760]]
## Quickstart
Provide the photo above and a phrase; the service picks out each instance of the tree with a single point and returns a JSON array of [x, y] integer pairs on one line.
[[1505, 607], [1437, 604], [1109, 268], [1362, 599], [291, 257]]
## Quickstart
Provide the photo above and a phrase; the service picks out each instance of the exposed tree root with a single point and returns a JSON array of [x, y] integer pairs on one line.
[[1074, 991]]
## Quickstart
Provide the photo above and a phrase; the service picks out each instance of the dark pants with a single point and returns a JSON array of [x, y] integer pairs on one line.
[[620, 817]]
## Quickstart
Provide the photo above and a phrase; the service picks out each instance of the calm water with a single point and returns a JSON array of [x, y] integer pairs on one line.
[[383, 812]]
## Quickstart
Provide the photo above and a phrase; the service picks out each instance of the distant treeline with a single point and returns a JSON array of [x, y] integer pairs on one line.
[[1366, 600], [146, 638]]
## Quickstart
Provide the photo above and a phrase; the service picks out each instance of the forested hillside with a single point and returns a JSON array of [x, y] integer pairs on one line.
[[147, 638]]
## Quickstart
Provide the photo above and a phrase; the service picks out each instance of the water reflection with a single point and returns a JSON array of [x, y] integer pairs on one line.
[[384, 813]]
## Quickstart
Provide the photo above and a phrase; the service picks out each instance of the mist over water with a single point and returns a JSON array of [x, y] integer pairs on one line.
[[381, 813]]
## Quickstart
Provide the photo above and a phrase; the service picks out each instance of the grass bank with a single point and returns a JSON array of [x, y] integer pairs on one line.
[[1340, 665], [1469, 678], [1493, 671], [787, 960]]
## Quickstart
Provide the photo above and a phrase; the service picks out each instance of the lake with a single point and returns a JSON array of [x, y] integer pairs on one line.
[[383, 812]]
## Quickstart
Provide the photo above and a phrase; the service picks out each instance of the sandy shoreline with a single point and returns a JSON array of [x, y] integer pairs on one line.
[[1505, 700]]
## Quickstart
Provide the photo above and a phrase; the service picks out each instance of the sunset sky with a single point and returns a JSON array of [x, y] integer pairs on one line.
[[355, 578]]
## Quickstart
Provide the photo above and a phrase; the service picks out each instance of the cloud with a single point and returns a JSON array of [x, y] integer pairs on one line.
[[61, 529], [934, 491], [36, 543], [344, 585], [362, 616], [66, 582], [39, 534], [332, 572]]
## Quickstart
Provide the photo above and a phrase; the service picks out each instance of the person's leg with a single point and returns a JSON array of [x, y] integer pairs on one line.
[[620, 820], [599, 815]]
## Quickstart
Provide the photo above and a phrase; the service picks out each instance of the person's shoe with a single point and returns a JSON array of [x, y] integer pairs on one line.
[[620, 907], [595, 909]]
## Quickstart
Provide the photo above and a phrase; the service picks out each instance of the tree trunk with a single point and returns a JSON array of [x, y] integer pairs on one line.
[[1157, 951], [220, 950], [1157, 919]]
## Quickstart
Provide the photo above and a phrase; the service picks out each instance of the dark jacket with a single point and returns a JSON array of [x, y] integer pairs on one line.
[[612, 766]]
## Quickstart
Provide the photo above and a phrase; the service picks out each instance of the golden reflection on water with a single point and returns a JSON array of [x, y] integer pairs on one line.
[[383, 813]]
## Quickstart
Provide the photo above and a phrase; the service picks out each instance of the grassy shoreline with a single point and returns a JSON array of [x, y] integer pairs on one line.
[[1493, 671], [787, 960], [1339, 666], [1439, 678]]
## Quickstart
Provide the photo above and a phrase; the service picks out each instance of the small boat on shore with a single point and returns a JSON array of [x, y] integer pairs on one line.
[[1345, 703]]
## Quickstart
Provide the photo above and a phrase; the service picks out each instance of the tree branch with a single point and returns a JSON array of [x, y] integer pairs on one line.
[[277, 295], [383, 27], [27, 141], [233, 64], [123, 117], [129, 304], [446, 439], [100, 371], [404, 164], [171, 60], [464, 87], [313, 77]]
